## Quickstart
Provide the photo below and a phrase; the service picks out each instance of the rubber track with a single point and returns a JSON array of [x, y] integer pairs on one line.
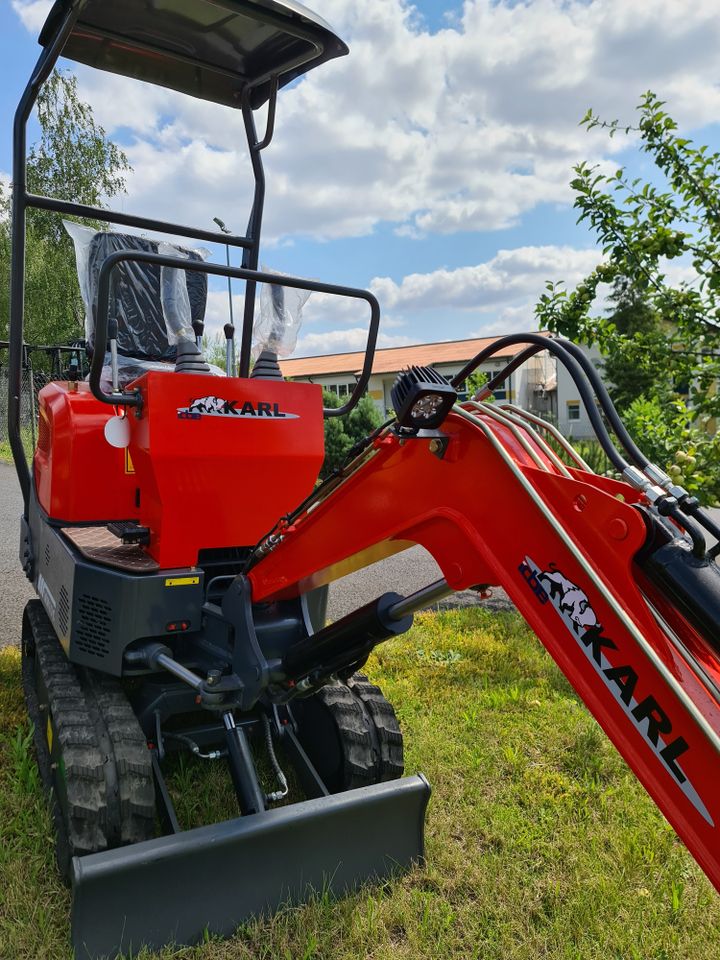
[[89, 709], [359, 766], [387, 729], [135, 799], [369, 731]]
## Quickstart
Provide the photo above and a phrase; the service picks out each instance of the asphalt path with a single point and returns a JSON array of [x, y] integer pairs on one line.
[[16, 591], [404, 573]]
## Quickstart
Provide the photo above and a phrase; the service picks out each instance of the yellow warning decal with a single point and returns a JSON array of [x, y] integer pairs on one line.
[[49, 735], [129, 466], [182, 581]]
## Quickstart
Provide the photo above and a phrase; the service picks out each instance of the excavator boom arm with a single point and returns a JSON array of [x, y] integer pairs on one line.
[[494, 504]]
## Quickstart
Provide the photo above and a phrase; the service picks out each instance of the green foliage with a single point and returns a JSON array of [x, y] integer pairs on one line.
[[341, 433], [215, 350], [632, 369], [662, 338], [72, 160], [475, 381], [594, 456], [670, 436]]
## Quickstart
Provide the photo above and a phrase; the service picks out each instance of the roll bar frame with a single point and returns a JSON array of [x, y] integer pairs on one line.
[[54, 37]]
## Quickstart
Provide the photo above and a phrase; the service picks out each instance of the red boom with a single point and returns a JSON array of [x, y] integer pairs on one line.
[[498, 508]]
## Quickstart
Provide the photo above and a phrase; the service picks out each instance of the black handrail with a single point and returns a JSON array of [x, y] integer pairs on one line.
[[105, 285], [43, 68], [70, 208]]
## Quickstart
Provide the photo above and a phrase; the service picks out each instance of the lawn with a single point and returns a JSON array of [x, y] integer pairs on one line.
[[540, 842]]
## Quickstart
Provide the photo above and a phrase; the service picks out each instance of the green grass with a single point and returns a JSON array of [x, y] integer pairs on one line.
[[540, 842], [6, 452]]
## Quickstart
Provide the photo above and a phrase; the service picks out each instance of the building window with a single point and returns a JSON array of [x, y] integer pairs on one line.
[[339, 389], [500, 393], [573, 410]]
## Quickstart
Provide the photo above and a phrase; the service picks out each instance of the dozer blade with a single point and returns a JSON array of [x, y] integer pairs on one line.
[[172, 889]]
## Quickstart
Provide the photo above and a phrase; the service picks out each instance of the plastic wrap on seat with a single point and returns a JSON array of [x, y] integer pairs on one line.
[[138, 301], [278, 326], [130, 369], [175, 298]]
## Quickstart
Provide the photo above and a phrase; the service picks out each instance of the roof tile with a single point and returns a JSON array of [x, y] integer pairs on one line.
[[392, 359]]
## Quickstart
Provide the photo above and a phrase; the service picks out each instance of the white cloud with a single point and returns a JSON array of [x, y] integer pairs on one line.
[[494, 297], [507, 277], [467, 128], [217, 312], [33, 13], [344, 341]]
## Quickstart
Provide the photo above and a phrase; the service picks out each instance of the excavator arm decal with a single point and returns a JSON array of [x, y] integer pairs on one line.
[[647, 715]]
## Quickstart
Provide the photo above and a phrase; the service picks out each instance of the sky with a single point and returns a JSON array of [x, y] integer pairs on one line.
[[431, 165]]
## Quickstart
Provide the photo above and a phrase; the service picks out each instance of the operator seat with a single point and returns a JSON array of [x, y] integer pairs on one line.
[[143, 341]]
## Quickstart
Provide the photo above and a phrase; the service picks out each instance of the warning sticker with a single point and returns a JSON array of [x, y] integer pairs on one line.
[[182, 581]]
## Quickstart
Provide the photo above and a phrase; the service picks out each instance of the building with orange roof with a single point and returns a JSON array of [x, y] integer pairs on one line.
[[537, 385], [337, 372]]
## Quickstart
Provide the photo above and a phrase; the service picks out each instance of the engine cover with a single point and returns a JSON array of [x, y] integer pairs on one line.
[[79, 477], [213, 461], [220, 459]]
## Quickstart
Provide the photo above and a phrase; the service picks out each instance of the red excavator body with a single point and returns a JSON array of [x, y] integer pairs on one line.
[[179, 473], [181, 545]]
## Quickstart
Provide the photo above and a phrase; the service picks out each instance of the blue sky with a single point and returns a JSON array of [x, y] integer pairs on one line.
[[431, 165]]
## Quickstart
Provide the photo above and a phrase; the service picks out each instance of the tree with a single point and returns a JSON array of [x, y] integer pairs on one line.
[[341, 433], [72, 160], [665, 330], [632, 371]]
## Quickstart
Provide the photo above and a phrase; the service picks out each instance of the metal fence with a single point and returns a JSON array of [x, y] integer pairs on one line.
[[31, 384], [41, 364]]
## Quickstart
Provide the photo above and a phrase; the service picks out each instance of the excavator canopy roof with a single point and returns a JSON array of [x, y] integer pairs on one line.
[[211, 49]]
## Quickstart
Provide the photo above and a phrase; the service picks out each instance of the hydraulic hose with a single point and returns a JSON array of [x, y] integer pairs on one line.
[[584, 375], [596, 382], [689, 505], [509, 369], [573, 368], [608, 407]]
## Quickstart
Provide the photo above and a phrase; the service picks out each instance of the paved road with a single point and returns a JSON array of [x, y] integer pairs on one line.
[[404, 573], [16, 591]]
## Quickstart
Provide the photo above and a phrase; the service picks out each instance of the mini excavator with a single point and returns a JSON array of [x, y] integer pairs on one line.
[[181, 545]]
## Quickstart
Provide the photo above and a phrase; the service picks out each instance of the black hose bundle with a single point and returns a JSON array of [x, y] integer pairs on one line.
[[588, 381]]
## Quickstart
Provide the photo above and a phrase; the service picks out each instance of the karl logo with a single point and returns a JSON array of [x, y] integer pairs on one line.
[[217, 407], [569, 597], [646, 714]]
